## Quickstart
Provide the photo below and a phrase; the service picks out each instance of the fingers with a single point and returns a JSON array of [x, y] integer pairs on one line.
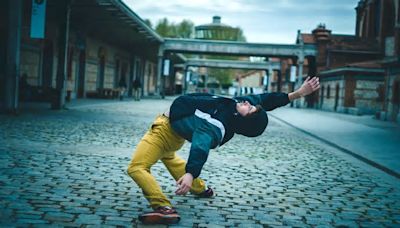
[[310, 85], [314, 83], [182, 188]]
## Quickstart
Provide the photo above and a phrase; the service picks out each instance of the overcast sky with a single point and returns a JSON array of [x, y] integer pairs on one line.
[[262, 21]]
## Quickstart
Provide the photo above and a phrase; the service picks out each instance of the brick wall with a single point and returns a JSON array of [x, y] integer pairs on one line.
[[111, 54], [332, 96], [369, 96], [394, 97]]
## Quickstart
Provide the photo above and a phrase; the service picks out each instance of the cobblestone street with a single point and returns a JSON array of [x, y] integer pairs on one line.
[[68, 168]]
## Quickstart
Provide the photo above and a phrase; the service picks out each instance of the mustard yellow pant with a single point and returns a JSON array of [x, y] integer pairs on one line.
[[159, 143]]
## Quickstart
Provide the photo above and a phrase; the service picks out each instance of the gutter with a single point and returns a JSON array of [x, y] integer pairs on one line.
[[141, 26]]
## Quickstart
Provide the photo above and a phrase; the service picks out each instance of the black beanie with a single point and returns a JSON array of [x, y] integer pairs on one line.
[[252, 125]]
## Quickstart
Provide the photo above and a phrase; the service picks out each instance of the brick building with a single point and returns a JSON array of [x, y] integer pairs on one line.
[[252, 82], [88, 48], [359, 73]]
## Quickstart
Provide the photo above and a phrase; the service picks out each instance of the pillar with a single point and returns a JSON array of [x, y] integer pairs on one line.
[[159, 70], [300, 63], [64, 12], [185, 82], [13, 56]]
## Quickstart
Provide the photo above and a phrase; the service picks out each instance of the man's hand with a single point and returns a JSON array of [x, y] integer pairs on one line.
[[309, 86], [184, 184]]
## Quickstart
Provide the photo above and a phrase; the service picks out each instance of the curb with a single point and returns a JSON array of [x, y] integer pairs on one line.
[[355, 155]]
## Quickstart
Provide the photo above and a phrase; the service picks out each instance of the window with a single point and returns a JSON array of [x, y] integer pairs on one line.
[[398, 12], [381, 93], [377, 17], [70, 56], [396, 93], [328, 92]]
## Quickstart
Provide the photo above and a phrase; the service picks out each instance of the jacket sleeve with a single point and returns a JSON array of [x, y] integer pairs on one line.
[[201, 144], [271, 101]]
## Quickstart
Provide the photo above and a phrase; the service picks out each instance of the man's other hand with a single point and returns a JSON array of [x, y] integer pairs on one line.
[[184, 184]]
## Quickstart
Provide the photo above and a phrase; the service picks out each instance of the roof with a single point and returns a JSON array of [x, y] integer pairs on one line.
[[366, 64], [344, 42], [308, 38], [212, 26], [249, 73]]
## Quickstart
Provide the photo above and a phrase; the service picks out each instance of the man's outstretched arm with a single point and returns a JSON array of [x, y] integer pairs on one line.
[[309, 86]]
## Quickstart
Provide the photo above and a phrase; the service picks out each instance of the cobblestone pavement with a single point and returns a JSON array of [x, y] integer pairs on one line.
[[68, 168]]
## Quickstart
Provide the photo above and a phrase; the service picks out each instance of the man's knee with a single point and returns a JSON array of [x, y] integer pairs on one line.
[[134, 170]]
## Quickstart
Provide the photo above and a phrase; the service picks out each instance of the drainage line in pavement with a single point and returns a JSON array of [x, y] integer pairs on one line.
[[359, 157]]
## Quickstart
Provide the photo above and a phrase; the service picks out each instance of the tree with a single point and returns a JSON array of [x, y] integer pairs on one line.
[[165, 28], [182, 30], [185, 29]]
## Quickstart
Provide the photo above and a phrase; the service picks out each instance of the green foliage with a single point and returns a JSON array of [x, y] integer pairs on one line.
[[168, 29], [184, 29]]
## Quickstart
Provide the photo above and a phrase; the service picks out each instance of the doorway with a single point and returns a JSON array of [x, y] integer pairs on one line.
[[396, 99], [349, 100], [336, 96], [81, 74], [100, 81], [47, 72]]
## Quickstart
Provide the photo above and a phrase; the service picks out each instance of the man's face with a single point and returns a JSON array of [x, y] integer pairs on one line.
[[244, 108]]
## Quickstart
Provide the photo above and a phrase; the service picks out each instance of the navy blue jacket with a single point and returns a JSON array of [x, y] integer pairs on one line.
[[206, 121]]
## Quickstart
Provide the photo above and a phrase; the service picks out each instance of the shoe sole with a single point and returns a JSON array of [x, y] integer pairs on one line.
[[158, 218]]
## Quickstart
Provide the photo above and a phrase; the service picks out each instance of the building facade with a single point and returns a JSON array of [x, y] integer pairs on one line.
[[359, 73], [88, 49]]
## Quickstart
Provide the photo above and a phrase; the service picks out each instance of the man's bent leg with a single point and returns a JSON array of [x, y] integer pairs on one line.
[[149, 150], [176, 166], [145, 156]]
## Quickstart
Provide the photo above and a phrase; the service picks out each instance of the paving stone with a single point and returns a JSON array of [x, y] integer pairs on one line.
[[59, 216], [68, 169]]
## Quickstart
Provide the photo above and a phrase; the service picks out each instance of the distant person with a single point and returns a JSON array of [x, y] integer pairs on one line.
[[122, 88], [207, 121], [136, 88], [25, 89]]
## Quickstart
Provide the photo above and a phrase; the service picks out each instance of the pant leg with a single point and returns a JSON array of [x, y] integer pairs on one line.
[[176, 167], [151, 148]]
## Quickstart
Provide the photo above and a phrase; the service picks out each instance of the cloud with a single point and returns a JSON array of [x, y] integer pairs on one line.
[[261, 20]]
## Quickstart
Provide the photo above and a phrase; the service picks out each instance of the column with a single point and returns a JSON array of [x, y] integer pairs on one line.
[[64, 12], [265, 81], [270, 76], [300, 62], [159, 70], [132, 74], [185, 74], [13, 56]]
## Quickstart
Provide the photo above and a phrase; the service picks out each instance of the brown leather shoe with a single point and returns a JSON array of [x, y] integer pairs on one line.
[[161, 215], [208, 193]]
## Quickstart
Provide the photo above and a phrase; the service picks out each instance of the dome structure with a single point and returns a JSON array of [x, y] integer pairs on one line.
[[216, 31]]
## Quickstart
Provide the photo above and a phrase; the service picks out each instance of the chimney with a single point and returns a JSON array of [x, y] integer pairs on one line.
[[321, 33], [216, 20]]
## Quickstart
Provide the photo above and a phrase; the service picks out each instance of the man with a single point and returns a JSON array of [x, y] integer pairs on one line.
[[136, 88], [122, 87], [207, 121]]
